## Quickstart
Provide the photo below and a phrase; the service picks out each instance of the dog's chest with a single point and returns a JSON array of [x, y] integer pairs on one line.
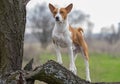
[[60, 39]]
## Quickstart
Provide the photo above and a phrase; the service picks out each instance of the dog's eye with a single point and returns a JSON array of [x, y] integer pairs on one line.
[[55, 12]]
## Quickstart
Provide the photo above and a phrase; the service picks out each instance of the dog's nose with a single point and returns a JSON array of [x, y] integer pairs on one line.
[[57, 18]]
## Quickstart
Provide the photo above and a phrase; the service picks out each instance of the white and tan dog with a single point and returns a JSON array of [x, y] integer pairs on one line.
[[64, 35]]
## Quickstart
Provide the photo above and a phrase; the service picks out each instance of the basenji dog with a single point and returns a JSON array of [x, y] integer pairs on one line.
[[64, 35]]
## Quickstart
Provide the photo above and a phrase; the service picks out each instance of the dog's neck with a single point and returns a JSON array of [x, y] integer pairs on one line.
[[62, 26]]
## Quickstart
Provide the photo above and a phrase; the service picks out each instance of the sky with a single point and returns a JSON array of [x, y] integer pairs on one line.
[[102, 12]]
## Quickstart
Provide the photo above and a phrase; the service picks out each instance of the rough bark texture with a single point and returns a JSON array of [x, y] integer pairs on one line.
[[12, 27], [29, 67], [54, 73]]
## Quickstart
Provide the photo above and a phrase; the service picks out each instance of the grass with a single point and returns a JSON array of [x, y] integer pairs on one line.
[[103, 67]]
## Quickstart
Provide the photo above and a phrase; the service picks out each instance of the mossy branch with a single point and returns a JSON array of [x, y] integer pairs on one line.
[[53, 73]]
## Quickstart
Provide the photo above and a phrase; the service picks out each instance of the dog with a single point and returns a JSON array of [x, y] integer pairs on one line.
[[65, 36]]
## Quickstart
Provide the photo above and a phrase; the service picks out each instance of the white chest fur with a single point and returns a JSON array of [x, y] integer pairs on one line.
[[61, 34]]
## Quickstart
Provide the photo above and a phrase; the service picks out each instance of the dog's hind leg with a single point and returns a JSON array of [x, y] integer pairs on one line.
[[86, 60]]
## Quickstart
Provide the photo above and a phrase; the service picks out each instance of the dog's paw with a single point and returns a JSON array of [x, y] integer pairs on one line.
[[73, 69], [60, 62], [88, 79]]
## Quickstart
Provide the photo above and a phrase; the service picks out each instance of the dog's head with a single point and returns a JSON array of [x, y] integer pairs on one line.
[[60, 14]]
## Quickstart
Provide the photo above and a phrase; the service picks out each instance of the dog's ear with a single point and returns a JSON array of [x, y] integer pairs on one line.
[[51, 7], [69, 7]]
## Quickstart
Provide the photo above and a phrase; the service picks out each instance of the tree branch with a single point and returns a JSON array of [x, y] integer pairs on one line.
[[53, 73], [28, 67]]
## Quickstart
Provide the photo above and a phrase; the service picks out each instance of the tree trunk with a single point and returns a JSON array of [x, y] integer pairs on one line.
[[12, 27]]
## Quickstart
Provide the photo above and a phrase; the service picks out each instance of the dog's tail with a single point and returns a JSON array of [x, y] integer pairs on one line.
[[80, 29]]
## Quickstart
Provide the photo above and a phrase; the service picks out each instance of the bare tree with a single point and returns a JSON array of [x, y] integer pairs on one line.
[[77, 17], [89, 30], [41, 22], [118, 33], [109, 34]]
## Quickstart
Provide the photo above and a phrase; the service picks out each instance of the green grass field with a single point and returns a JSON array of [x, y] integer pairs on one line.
[[103, 67]]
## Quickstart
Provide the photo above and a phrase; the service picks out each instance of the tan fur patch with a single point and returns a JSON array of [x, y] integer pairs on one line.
[[78, 39], [55, 11], [63, 13]]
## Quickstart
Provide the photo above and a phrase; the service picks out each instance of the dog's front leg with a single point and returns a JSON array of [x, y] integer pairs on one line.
[[72, 63], [58, 53]]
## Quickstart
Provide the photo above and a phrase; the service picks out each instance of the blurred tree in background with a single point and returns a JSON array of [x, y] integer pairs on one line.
[[77, 17], [41, 22], [118, 30], [109, 34]]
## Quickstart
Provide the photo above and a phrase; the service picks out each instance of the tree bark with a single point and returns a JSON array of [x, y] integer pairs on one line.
[[29, 67], [53, 73], [12, 27]]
